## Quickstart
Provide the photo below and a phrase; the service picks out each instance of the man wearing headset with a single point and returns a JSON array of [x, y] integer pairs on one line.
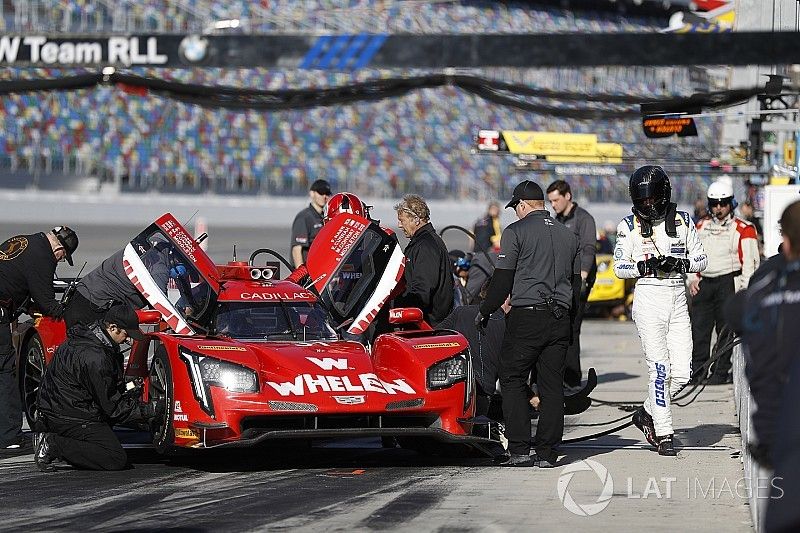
[[658, 245], [732, 247], [27, 266], [429, 283]]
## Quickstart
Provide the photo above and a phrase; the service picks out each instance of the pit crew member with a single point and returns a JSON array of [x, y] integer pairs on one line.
[[27, 266], [82, 395], [308, 222], [732, 247], [428, 278]]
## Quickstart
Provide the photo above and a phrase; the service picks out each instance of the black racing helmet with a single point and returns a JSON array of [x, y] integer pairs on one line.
[[650, 192]]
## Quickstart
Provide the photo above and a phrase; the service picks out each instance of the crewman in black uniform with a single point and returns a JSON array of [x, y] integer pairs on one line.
[[309, 221], [27, 266], [428, 278], [539, 264]]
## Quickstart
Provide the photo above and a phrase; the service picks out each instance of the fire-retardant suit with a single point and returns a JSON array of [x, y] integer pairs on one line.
[[659, 245]]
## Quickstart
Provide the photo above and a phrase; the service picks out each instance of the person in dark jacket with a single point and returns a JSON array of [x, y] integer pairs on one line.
[[109, 283], [539, 266], [764, 316], [27, 266], [583, 225], [429, 283], [82, 395]]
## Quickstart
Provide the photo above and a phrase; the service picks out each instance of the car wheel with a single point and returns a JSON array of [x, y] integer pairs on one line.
[[31, 371], [161, 386]]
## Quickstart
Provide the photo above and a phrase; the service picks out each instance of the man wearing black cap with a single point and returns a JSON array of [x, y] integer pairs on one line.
[[309, 221], [27, 266], [82, 395], [539, 265]]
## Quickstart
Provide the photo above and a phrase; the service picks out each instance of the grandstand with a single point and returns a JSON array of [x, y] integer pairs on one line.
[[419, 142]]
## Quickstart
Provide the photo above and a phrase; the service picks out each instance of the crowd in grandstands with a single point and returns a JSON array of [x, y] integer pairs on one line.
[[419, 142], [282, 15]]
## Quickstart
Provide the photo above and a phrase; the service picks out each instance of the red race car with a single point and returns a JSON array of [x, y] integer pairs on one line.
[[242, 357]]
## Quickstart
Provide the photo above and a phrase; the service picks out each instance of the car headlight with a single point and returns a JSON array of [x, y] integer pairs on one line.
[[205, 371], [230, 376], [448, 372]]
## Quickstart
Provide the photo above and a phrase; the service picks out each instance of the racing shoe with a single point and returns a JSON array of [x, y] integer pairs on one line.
[[643, 421], [665, 446], [44, 456]]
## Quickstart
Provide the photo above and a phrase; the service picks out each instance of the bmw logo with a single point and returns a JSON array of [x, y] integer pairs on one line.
[[193, 48]]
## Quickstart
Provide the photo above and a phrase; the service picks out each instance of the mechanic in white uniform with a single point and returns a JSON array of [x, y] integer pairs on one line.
[[659, 245]]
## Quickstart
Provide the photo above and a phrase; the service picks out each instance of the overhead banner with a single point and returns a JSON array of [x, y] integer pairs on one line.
[[403, 51], [553, 147], [657, 127]]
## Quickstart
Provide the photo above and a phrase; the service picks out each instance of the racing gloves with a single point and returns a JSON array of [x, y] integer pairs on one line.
[[177, 271], [481, 321], [665, 264], [648, 266], [673, 264]]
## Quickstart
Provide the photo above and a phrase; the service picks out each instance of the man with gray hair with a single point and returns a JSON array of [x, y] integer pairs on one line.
[[429, 284]]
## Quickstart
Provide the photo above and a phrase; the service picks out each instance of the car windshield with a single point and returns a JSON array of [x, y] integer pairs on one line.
[[300, 321], [175, 275]]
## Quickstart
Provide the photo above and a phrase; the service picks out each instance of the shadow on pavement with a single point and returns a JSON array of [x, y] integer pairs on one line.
[[706, 434]]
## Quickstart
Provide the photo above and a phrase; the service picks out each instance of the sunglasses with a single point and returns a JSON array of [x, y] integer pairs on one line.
[[715, 203]]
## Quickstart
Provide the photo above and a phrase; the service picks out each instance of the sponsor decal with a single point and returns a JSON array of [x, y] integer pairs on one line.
[[221, 348], [437, 345], [618, 253], [38, 50], [184, 241], [269, 296], [12, 248], [184, 433], [329, 363], [350, 400], [178, 406], [677, 249], [51, 349], [308, 384], [661, 377], [178, 417]]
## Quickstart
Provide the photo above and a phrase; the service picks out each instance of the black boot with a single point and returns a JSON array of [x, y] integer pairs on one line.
[[665, 446], [643, 421]]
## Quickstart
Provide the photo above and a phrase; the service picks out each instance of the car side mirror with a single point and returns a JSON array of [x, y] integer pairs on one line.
[[148, 316]]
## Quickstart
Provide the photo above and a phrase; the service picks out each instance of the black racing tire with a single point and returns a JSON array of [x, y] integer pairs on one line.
[[30, 373], [161, 386]]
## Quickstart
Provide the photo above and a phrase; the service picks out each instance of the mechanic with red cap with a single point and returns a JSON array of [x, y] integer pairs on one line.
[[27, 266], [83, 394], [309, 221], [539, 265]]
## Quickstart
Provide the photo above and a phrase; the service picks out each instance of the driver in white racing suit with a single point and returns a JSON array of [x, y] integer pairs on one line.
[[659, 245]]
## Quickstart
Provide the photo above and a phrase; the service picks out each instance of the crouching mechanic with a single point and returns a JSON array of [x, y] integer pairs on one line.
[[82, 395], [659, 245]]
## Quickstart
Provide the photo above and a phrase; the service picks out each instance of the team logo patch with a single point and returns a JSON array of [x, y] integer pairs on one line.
[[12, 248]]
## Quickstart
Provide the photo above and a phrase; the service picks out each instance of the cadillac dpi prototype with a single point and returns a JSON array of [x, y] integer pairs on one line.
[[241, 357]]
